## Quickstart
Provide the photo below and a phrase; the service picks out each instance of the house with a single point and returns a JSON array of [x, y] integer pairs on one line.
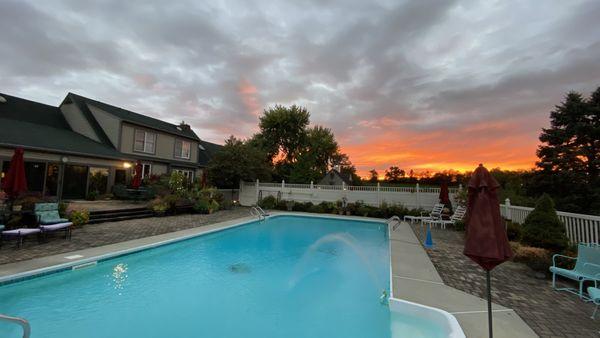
[[84, 145], [334, 177]]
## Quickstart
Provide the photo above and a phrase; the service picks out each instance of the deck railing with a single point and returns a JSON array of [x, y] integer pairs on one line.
[[579, 227]]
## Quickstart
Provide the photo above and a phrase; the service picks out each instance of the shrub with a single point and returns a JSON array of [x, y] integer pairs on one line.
[[362, 210], [514, 231], [158, 206], [202, 206], [268, 202], [281, 205], [177, 183], [327, 207], [226, 204], [79, 217], [213, 206], [538, 259], [316, 208], [299, 206], [542, 227], [460, 225], [92, 195]]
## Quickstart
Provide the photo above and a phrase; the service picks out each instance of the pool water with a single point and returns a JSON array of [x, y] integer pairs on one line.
[[287, 276]]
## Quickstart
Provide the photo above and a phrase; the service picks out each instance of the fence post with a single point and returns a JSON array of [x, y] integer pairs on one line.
[[378, 195], [507, 209], [312, 186], [257, 189], [418, 196], [282, 184], [343, 185]]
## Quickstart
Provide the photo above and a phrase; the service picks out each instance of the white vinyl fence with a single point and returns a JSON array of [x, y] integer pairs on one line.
[[579, 227], [410, 197]]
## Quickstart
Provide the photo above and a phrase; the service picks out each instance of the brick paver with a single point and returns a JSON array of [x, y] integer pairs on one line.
[[93, 235], [514, 285]]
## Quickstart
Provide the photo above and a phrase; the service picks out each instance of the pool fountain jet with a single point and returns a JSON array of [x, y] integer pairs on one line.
[[348, 240]]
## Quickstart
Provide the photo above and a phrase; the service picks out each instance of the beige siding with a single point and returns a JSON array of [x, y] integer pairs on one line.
[[78, 122], [159, 169], [165, 144], [109, 123]]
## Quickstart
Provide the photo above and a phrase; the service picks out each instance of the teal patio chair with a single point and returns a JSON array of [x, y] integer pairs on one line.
[[594, 293], [50, 221], [587, 268]]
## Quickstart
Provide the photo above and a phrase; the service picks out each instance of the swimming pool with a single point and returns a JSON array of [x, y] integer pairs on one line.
[[287, 276]]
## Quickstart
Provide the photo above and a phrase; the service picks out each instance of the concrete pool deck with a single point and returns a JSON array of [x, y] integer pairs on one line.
[[414, 277]]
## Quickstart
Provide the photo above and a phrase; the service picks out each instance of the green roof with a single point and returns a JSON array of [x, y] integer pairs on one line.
[[29, 111], [135, 118], [207, 151], [24, 134]]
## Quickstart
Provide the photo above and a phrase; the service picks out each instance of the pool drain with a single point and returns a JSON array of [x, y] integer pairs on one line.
[[240, 268]]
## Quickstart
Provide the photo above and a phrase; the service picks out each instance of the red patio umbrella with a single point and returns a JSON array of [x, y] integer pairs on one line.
[[444, 194], [486, 241], [15, 181], [137, 178]]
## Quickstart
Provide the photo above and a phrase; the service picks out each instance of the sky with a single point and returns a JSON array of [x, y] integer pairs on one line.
[[423, 85]]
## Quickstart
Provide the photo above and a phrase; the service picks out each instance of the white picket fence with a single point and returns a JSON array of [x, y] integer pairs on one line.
[[410, 197], [579, 227]]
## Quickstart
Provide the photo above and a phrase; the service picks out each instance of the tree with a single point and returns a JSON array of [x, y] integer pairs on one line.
[[394, 174], [569, 156], [238, 161], [315, 157], [542, 227], [374, 176], [283, 132]]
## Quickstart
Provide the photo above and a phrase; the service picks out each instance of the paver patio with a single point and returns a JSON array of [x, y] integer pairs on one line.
[[93, 235], [549, 313]]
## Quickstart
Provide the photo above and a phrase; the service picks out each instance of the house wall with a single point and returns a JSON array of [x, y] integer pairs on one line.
[[109, 123], [77, 121], [159, 169], [165, 144]]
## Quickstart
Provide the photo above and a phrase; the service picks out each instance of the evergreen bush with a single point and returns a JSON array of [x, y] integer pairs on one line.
[[542, 227]]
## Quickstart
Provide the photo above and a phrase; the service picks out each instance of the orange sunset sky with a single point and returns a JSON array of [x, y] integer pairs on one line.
[[423, 85]]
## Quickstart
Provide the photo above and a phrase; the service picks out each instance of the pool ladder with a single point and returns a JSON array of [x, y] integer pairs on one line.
[[20, 321], [258, 212], [394, 222]]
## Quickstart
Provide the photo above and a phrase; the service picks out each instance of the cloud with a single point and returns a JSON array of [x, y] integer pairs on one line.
[[419, 84]]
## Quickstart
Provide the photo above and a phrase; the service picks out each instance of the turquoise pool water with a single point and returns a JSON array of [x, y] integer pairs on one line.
[[287, 276]]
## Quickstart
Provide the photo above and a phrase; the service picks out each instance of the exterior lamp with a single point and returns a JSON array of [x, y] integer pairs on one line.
[[126, 165]]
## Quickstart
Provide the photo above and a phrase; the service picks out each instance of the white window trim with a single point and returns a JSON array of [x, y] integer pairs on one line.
[[146, 134], [149, 172], [180, 155]]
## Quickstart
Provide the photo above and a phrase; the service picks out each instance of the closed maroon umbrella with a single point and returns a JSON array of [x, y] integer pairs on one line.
[[486, 241], [137, 178], [15, 181], [444, 194]]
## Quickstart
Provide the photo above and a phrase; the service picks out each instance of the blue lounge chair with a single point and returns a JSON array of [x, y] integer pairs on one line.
[[594, 293], [49, 219], [587, 267]]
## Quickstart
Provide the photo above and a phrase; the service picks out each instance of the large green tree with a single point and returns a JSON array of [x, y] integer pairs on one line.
[[569, 156], [297, 152], [394, 174], [238, 161]]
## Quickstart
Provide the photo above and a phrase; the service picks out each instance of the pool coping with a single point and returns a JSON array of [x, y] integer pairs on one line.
[[413, 280]]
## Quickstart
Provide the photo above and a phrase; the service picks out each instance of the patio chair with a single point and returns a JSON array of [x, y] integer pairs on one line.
[[20, 234], [458, 215], [436, 213], [594, 293], [49, 219], [587, 268]]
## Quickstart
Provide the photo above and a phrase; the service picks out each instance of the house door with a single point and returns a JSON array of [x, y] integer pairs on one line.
[[75, 182]]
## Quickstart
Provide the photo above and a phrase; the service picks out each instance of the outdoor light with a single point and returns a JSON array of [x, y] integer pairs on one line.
[[64, 159], [126, 165]]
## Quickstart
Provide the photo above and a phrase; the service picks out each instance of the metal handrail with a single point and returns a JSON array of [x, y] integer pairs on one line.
[[256, 211], [20, 321], [395, 221]]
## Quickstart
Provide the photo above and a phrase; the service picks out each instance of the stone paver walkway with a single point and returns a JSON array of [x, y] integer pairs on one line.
[[93, 235], [549, 313]]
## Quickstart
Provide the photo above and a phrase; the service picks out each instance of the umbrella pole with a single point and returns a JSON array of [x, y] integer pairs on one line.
[[489, 300]]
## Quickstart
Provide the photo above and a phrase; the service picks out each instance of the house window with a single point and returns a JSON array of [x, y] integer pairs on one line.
[[189, 175], [183, 149], [146, 170], [145, 141]]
